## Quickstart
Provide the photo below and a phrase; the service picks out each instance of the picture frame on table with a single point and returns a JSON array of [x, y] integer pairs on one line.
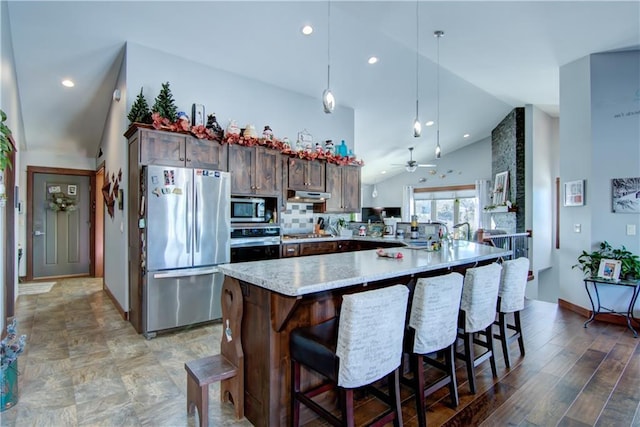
[[609, 269], [500, 188], [574, 193]]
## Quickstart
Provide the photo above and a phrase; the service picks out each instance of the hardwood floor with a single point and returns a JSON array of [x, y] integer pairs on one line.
[[85, 366]]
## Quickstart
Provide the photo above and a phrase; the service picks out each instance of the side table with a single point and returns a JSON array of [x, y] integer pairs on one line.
[[599, 309]]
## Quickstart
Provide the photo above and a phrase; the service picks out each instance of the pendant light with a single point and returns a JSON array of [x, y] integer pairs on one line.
[[438, 34], [417, 127], [374, 193], [328, 101]]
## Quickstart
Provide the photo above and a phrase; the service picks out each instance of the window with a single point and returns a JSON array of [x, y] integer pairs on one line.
[[449, 205]]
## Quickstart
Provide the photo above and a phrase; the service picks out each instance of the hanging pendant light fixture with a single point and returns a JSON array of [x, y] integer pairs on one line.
[[438, 34], [417, 126], [328, 101], [374, 193]]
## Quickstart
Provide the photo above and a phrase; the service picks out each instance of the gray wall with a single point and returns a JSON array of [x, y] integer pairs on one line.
[[597, 145]]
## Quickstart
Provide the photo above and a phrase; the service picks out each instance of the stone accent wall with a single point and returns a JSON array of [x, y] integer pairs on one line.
[[507, 153]]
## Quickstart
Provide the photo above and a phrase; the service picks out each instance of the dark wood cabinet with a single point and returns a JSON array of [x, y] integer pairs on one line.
[[306, 175], [180, 150], [255, 171], [290, 250], [318, 248], [343, 182]]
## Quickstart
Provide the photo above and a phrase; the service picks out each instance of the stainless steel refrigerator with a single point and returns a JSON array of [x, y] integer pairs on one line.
[[187, 224]]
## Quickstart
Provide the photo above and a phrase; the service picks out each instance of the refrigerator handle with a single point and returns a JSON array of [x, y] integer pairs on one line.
[[187, 217], [197, 215], [180, 273]]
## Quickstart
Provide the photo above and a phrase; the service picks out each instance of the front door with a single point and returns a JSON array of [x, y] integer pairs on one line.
[[61, 225]]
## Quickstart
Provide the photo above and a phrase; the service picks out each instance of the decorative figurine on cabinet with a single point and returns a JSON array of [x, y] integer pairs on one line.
[[214, 126], [250, 132], [267, 133], [232, 128], [328, 146]]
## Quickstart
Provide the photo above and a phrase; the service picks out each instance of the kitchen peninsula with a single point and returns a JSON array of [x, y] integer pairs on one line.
[[283, 294]]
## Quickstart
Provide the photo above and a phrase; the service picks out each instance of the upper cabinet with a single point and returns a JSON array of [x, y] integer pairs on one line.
[[343, 182], [255, 171], [180, 150], [306, 175]]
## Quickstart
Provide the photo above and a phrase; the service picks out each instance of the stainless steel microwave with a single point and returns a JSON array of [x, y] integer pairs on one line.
[[248, 209]]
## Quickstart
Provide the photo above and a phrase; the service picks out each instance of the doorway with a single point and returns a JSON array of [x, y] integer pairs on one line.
[[60, 222]]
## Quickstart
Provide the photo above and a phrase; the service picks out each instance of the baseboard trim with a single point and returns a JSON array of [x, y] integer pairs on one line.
[[603, 317], [123, 313]]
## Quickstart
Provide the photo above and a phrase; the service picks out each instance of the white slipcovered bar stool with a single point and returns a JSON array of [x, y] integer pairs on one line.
[[361, 346], [476, 317], [432, 328], [515, 274]]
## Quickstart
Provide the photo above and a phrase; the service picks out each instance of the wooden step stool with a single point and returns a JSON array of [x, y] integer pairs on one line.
[[201, 373], [226, 367]]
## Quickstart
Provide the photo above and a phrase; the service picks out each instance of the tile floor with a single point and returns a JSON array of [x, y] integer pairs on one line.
[[85, 366]]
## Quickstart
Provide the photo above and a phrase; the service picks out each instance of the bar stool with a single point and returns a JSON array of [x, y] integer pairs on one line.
[[433, 328], [511, 300], [477, 313], [360, 347]]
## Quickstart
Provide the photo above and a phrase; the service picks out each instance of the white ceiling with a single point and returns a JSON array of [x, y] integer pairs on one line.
[[494, 56]]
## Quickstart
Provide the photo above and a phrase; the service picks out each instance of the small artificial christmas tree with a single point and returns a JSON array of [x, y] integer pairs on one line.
[[140, 112], [164, 104]]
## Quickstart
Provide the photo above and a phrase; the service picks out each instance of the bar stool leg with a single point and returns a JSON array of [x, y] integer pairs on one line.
[[502, 326], [346, 397], [295, 403], [449, 357], [516, 317], [469, 358], [417, 367], [492, 358], [394, 396]]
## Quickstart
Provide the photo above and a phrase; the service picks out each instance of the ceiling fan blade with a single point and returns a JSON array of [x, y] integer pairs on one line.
[[427, 165]]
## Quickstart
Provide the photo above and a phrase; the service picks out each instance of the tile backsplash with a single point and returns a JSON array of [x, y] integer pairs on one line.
[[300, 218]]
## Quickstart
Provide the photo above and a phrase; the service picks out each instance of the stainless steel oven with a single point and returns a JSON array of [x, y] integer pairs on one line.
[[255, 243]]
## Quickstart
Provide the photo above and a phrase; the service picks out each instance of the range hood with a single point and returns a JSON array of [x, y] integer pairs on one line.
[[307, 196]]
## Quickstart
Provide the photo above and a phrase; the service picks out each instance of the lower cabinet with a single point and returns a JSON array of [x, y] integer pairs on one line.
[[320, 248]]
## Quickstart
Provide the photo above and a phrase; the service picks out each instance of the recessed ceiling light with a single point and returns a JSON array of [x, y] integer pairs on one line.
[[383, 172], [466, 135], [372, 60], [68, 83], [429, 123], [307, 30]]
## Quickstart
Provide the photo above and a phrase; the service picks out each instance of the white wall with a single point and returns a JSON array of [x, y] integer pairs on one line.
[[228, 95], [114, 156], [10, 104], [467, 164], [541, 165], [597, 146]]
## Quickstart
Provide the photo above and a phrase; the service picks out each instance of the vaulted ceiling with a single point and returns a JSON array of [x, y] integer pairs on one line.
[[494, 56]]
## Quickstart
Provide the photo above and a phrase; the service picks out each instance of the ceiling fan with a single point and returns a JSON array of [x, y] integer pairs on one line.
[[412, 165]]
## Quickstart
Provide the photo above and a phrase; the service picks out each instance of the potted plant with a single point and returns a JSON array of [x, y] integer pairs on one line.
[[589, 262], [5, 144], [10, 348]]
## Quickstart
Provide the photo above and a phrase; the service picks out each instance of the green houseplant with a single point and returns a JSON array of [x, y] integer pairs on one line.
[[589, 262], [5, 143]]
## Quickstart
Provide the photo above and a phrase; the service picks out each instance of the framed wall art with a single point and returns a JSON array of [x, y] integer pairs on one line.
[[501, 188], [574, 193], [625, 193]]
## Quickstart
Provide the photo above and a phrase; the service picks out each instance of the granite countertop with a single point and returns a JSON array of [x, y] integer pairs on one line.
[[306, 275]]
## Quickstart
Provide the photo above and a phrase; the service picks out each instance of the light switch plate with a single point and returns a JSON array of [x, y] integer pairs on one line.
[[631, 229], [577, 228]]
